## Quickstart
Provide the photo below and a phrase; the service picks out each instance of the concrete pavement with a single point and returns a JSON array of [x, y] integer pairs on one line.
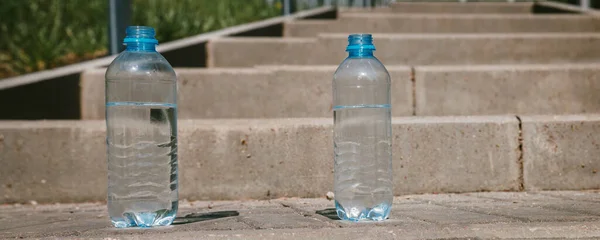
[[491, 215]]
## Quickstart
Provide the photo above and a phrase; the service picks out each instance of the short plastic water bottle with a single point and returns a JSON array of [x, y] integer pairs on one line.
[[362, 134], [141, 137]]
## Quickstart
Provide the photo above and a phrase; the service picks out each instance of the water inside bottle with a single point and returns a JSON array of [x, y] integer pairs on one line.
[[142, 163], [362, 149]]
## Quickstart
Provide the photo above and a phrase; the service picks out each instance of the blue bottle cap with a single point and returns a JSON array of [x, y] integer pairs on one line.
[[140, 34], [360, 41]]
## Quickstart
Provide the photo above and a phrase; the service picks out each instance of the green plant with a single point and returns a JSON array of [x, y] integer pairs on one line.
[[189, 17], [38, 34], [42, 34]]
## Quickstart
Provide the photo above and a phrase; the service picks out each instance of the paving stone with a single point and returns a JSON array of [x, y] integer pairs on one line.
[[450, 198], [272, 234], [266, 215], [444, 215], [591, 208], [592, 196], [560, 201], [522, 211], [249, 207], [576, 230], [464, 216], [57, 225], [229, 223], [406, 199], [541, 230], [514, 196], [290, 220], [325, 210], [29, 216]]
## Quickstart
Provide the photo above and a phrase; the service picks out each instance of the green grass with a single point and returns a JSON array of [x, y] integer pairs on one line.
[[43, 34], [174, 19]]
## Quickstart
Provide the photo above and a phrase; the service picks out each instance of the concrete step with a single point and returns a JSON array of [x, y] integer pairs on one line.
[[410, 49], [305, 91], [461, 8], [270, 92], [507, 89], [363, 10], [65, 161], [443, 23]]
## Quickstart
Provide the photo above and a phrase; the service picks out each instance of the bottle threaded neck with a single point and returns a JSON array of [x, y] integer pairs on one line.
[[360, 44], [140, 38]]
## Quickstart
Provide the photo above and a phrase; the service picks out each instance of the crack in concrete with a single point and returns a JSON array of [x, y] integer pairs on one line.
[[414, 90], [312, 215], [521, 179], [249, 222]]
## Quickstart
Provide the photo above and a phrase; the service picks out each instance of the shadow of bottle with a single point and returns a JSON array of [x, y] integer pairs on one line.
[[199, 217], [329, 213]]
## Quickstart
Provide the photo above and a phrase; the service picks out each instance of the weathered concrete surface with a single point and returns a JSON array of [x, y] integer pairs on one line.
[[280, 49], [411, 49], [269, 92], [563, 201], [56, 161], [560, 152], [507, 89], [515, 206], [305, 91], [460, 8], [65, 161], [365, 10], [440, 216], [586, 196], [456, 154], [351, 22]]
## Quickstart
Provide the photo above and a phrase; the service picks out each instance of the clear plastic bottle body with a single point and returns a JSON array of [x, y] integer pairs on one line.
[[362, 137], [141, 122]]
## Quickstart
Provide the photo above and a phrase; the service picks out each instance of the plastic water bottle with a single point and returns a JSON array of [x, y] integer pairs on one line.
[[141, 124], [362, 134]]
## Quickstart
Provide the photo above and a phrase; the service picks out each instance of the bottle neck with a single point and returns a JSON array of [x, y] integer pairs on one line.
[[140, 39], [357, 53], [141, 47]]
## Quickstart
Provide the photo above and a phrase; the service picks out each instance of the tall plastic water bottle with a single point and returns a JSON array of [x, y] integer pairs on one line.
[[141, 137], [362, 134]]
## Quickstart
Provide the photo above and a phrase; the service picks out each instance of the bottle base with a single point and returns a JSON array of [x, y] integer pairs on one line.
[[163, 217], [355, 214]]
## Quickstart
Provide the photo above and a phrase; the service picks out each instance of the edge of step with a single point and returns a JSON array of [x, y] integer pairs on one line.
[[64, 161]]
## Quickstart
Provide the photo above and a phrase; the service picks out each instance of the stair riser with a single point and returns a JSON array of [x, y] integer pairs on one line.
[[386, 23], [234, 159], [453, 7], [55, 161], [453, 49], [283, 92]]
